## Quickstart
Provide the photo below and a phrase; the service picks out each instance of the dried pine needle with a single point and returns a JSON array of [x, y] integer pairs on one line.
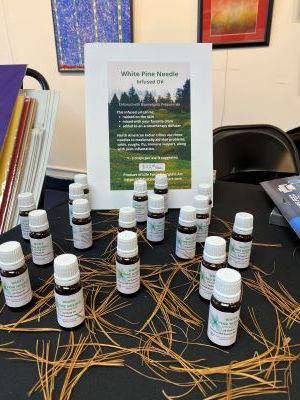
[[157, 341], [281, 299]]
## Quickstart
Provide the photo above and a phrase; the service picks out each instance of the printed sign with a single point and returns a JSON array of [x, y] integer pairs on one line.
[[148, 112]]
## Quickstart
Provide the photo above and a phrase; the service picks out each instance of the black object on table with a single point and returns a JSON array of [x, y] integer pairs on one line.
[[107, 383]]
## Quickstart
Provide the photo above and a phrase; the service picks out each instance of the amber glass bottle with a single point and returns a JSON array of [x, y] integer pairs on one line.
[[68, 292], [82, 225], [161, 188], [40, 238], [241, 241], [186, 233], [127, 219], [26, 204], [127, 264], [214, 258], [14, 276], [140, 200], [224, 309], [156, 219]]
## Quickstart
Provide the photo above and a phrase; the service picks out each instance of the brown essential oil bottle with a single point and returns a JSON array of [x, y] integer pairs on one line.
[[14, 276], [68, 292], [75, 192], [26, 204], [201, 204], [140, 200], [205, 189], [127, 219], [127, 264], [40, 238], [241, 241], [156, 219], [186, 233], [82, 225], [82, 179], [161, 187], [224, 309], [214, 258]]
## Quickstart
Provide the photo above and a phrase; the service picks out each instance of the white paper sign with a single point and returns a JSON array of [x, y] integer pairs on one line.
[[148, 111]]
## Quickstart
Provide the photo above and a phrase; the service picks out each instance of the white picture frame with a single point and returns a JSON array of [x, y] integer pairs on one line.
[[97, 58]]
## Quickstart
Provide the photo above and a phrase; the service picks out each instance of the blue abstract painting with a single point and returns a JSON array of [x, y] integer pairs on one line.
[[77, 22]]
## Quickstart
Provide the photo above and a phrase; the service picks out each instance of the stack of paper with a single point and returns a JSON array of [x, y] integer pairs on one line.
[[39, 146], [25, 150]]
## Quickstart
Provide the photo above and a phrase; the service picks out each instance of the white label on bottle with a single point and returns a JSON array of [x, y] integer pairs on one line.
[[202, 229], [128, 277], [141, 210], [70, 213], [207, 282], [24, 221], [82, 236], [70, 309], [185, 245], [42, 250], [239, 254], [155, 229], [17, 290], [222, 326]]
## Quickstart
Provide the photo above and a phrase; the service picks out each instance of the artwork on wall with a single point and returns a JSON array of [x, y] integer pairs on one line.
[[77, 22], [235, 23]]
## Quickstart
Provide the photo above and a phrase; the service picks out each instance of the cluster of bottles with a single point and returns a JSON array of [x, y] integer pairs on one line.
[[150, 209], [222, 286], [35, 228], [68, 291], [220, 281], [193, 221], [80, 213]]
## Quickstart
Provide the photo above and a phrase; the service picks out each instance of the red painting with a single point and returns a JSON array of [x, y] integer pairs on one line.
[[235, 22]]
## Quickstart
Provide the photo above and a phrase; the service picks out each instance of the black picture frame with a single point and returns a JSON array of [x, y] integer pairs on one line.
[[238, 44]]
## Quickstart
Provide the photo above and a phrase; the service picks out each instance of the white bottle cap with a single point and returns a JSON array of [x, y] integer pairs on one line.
[[127, 217], [82, 179], [156, 204], [127, 246], [205, 189], [187, 216], [214, 250], [76, 191], [11, 256], [201, 203], [66, 270], [26, 201], [81, 208], [140, 187], [228, 284], [38, 221], [243, 223], [161, 181]]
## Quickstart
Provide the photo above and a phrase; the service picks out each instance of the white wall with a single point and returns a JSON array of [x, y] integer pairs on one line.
[[5, 53], [250, 85]]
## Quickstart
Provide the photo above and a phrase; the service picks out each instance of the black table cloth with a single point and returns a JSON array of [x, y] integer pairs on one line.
[[18, 376]]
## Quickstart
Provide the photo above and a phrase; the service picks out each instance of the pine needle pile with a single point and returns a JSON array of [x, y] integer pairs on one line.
[[159, 335]]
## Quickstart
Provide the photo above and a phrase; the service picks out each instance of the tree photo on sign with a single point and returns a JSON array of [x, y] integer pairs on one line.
[[150, 123]]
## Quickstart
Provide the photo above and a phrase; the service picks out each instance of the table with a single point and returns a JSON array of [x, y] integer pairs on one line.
[[18, 376]]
